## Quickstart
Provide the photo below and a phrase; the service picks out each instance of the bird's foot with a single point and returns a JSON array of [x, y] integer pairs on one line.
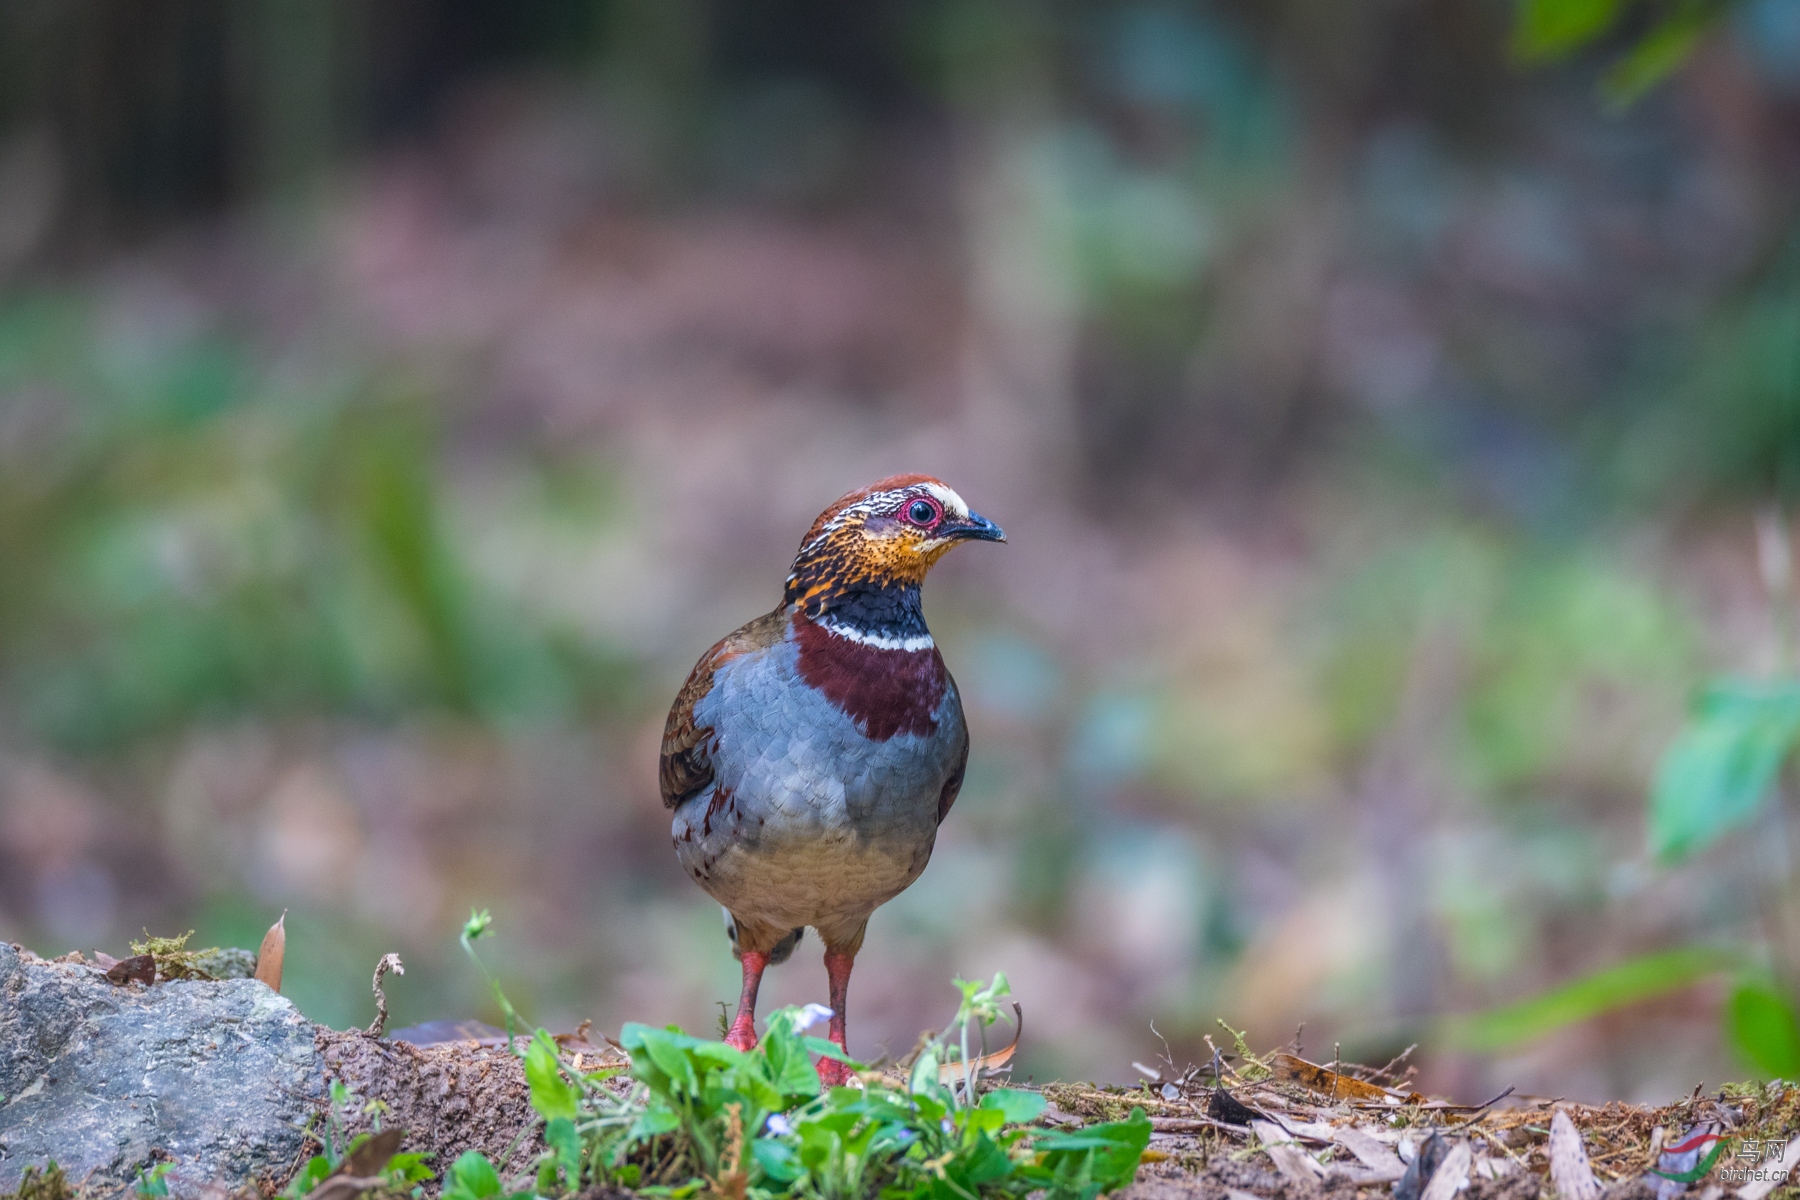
[[742, 1036], [833, 1073]]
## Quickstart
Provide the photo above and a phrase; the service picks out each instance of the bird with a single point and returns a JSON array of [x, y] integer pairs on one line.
[[812, 754]]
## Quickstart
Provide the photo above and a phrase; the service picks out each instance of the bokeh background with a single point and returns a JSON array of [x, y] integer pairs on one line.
[[395, 400]]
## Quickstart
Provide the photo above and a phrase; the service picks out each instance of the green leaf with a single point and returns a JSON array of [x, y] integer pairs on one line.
[[151, 1183], [472, 1177], [1098, 1159], [551, 1094], [1550, 29], [659, 1058], [790, 1067], [776, 1159], [654, 1120], [408, 1167], [1658, 53], [1614, 987], [924, 1081], [1762, 1025], [1017, 1107], [1718, 772], [317, 1167]]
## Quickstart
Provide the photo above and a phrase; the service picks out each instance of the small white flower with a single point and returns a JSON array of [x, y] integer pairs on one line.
[[778, 1125], [807, 1017]]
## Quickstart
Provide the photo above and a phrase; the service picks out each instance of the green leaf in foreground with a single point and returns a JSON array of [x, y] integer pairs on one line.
[[472, 1177], [551, 1094], [1017, 1107], [1097, 1159], [1614, 987], [1762, 1025], [1721, 768]]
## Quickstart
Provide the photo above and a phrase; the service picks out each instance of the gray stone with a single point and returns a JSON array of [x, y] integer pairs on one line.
[[218, 1078], [226, 963]]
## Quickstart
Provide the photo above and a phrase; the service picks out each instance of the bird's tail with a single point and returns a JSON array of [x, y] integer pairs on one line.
[[784, 949]]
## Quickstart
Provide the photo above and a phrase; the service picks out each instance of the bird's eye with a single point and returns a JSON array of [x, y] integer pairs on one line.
[[921, 512]]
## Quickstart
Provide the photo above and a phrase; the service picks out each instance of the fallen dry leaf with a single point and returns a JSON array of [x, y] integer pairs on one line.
[[361, 1169], [141, 967], [1420, 1170], [952, 1073], [272, 951], [1323, 1080], [1569, 1168], [1377, 1156], [1286, 1153], [371, 1158], [1452, 1174]]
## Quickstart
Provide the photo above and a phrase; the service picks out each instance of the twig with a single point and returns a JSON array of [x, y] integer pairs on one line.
[[389, 962], [1387, 1072], [1482, 1111], [1503, 1147], [1168, 1054]]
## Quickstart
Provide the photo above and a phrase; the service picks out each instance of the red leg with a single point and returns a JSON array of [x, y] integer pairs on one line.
[[743, 1026], [837, 972]]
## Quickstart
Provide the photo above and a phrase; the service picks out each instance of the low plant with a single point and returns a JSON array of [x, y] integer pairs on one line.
[[699, 1116], [48, 1184], [401, 1174]]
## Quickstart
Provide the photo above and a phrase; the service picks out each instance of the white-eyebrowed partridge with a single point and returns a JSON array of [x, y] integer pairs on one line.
[[812, 754]]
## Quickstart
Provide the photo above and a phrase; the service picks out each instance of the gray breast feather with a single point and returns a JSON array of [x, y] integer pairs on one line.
[[800, 791]]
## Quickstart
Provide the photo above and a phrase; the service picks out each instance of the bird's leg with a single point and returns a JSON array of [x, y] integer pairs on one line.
[[743, 1026], [833, 1073]]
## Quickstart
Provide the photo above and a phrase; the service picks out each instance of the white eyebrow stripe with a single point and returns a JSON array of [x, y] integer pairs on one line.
[[953, 503]]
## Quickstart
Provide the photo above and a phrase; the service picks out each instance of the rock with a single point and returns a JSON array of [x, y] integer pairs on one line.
[[216, 963], [220, 1079]]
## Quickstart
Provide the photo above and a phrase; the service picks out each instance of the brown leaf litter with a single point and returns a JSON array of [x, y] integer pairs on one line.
[[1277, 1126]]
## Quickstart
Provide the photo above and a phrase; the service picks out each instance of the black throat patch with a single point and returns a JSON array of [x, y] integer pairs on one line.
[[891, 611]]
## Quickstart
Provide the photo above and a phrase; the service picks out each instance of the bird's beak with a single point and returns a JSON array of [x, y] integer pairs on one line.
[[974, 527]]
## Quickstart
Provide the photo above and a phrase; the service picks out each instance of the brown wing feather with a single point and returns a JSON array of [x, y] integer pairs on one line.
[[686, 764]]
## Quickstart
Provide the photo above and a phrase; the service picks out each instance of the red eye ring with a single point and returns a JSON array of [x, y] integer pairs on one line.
[[924, 512]]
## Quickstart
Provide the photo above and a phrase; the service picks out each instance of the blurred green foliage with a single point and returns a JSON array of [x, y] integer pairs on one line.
[[1326, 275], [1721, 769], [192, 538], [1552, 29], [1761, 1023], [1603, 991]]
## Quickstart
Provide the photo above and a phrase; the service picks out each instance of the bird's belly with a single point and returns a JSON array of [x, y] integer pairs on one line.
[[814, 880], [804, 846]]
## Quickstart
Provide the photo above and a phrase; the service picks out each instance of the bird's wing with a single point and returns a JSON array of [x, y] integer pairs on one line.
[[953, 785], [686, 766]]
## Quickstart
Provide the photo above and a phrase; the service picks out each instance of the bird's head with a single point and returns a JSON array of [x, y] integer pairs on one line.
[[884, 536]]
